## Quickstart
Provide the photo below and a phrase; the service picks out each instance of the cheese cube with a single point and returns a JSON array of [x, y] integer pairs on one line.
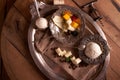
[[69, 21], [68, 54], [63, 53], [76, 61], [72, 58], [71, 28], [58, 51]]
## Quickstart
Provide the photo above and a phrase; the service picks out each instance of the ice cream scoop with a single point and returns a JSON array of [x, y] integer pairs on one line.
[[41, 23], [93, 50]]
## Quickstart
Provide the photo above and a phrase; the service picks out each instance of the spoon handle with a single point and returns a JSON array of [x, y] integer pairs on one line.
[[36, 5]]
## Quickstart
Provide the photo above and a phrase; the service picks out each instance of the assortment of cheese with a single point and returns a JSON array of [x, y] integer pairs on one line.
[[67, 54], [67, 21]]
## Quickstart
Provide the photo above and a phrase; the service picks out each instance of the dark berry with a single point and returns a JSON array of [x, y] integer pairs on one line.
[[74, 33]]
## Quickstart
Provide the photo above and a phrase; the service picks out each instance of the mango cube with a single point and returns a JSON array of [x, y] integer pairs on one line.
[[74, 24], [77, 20], [67, 12], [66, 16]]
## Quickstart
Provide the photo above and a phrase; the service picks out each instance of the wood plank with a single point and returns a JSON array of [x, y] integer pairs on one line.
[[2, 16], [25, 9], [4, 75], [16, 65], [112, 29], [114, 66], [109, 12], [2, 11]]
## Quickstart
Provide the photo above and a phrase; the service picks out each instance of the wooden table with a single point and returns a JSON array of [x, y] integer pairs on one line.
[[15, 52]]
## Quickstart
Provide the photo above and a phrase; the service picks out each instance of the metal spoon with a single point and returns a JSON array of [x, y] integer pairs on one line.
[[41, 22]]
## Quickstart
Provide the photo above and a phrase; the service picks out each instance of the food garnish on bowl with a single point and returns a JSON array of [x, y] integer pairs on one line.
[[67, 21], [67, 25]]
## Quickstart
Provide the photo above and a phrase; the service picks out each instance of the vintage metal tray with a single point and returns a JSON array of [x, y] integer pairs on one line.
[[46, 65]]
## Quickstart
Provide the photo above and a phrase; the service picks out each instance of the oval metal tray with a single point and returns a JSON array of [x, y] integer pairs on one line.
[[42, 61]]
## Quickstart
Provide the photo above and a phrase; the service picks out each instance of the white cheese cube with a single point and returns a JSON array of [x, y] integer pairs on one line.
[[69, 21], [76, 61], [58, 51], [68, 54], [62, 53], [71, 28], [72, 58], [58, 2]]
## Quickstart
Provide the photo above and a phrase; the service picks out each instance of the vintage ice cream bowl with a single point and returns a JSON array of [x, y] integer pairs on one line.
[[93, 49], [68, 35]]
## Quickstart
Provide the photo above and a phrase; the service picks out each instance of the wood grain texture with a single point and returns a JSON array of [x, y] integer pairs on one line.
[[17, 49]]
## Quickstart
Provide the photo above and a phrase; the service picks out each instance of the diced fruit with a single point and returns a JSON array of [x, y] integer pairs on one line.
[[74, 24], [66, 16], [67, 12], [77, 20], [74, 18]]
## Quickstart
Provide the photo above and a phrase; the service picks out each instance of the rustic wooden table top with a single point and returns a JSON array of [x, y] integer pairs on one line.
[[11, 54]]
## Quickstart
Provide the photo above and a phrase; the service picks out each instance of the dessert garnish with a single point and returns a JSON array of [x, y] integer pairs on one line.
[[68, 21]]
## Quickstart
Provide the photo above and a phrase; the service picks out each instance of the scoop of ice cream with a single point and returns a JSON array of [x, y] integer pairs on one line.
[[93, 50], [42, 23]]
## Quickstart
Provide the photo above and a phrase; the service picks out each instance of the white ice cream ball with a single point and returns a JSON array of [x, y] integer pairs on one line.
[[41, 23], [93, 50]]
